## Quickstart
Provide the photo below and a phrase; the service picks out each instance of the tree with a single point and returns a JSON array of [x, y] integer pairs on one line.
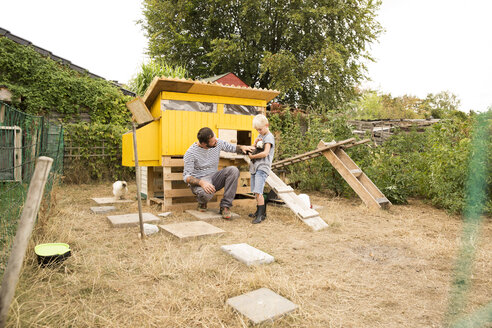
[[442, 105], [377, 105], [310, 50]]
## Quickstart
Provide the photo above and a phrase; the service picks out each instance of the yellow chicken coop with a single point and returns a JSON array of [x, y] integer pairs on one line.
[[179, 108]]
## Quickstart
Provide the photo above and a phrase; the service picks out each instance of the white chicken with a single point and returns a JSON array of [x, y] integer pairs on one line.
[[305, 199], [120, 189]]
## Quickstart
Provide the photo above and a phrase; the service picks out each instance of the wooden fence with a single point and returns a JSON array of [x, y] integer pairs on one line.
[[72, 151]]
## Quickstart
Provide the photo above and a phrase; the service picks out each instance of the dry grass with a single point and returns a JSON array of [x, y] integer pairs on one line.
[[368, 269]]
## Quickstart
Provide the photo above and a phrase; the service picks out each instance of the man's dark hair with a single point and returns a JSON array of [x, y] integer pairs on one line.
[[204, 135]]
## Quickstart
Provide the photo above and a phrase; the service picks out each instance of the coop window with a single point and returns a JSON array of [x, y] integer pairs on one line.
[[241, 109], [189, 106]]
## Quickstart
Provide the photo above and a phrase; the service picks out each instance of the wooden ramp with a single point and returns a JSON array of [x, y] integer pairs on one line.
[[287, 194], [335, 154]]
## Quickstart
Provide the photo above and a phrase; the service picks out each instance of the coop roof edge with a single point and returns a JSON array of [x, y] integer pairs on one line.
[[160, 84]]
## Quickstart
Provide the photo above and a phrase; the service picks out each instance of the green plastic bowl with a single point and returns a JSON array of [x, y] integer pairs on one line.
[[52, 253]]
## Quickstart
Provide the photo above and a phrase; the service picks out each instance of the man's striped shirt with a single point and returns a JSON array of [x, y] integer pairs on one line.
[[200, 162]]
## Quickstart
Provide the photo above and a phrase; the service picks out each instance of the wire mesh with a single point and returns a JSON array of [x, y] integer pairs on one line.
[[23, 138]]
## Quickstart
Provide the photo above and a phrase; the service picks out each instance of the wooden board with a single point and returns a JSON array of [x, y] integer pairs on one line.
[[141, 113]]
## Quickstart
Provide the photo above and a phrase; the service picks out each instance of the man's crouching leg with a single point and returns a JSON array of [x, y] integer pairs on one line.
[[227, 179], [202, 197]]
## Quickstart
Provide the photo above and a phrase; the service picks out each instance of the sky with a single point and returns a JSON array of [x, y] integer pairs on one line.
[[101, 36], [431, 46], [428, 46]]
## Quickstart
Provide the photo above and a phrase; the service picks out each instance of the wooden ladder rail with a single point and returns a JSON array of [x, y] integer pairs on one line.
[[317, 152]]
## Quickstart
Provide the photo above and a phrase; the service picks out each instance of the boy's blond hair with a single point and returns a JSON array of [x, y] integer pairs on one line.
[[260, 121]]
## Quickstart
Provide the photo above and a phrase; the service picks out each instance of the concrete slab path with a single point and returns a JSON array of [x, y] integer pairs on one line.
[[248, 254], [185, 230], [130, 220], [261, 305]]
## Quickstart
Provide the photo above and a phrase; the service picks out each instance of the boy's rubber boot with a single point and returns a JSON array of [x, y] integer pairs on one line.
[[253, 215], [261, 214]]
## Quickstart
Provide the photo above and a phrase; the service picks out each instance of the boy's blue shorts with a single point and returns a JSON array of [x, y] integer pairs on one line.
[[258, 182]]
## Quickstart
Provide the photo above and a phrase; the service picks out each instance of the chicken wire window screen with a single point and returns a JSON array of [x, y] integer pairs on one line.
[[189, 106], [241, 109]]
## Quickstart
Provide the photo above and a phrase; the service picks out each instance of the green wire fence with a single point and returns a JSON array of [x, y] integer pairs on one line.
[[23, 138]]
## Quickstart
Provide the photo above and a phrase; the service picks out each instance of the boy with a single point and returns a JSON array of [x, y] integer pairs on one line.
[[260, 165]]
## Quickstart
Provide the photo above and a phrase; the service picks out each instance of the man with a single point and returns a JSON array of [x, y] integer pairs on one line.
[[201, 163]]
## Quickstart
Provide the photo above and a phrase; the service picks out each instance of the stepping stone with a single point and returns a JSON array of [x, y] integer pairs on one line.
[[209, 214], [165, 214], [110, 200], [261, 305], [150, 229], [186, 230], [130, 220], [102, 209], [248, 254]]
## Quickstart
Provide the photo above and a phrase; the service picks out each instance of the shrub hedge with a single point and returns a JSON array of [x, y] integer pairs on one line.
[[432, 165]]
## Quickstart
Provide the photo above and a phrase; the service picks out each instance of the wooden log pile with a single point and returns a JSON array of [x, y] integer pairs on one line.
[[380, 130]]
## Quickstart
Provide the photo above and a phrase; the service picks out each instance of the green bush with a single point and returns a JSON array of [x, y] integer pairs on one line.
[[88, 167], [449, 154], [297, 133], [41, 86], [397, 167]]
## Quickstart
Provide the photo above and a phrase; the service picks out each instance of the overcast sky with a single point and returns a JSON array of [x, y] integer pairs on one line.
[[429, 45], [435, 45]]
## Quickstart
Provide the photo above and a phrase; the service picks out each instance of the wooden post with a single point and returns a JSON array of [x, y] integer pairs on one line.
[[150, 183], [167, 185], [26, 223], [138, 178]]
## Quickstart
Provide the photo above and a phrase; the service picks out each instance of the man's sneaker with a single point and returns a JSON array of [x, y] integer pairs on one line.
[[202, 207], [226, 213]]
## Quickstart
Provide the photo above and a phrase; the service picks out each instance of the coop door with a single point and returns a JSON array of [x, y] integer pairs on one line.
[[236, 137], [244, 138], [228, 135]]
